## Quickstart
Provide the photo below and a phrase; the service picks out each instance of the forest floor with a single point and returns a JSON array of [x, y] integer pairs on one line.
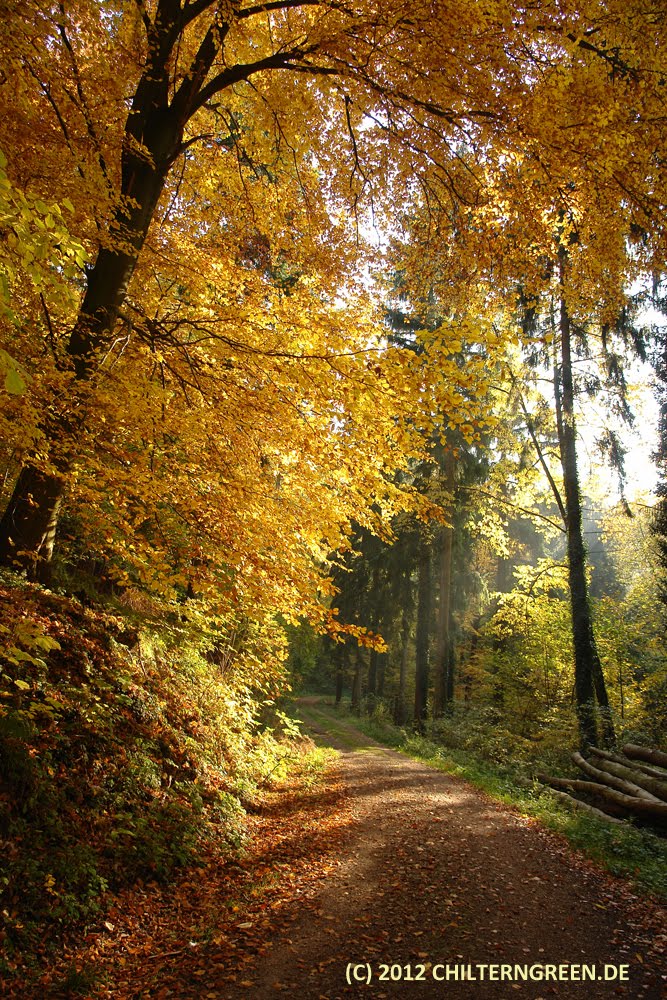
[[389, 878]]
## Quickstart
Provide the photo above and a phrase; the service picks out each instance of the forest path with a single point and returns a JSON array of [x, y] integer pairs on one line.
[[433, 874], [382, 864]]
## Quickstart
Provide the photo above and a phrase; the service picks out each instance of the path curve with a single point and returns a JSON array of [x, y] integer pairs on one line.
[[436, 881]]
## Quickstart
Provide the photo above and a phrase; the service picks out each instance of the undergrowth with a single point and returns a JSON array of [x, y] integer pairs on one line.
[[126, 746]]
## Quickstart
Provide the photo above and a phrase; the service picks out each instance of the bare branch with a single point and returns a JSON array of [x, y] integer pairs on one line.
[[81, 103], [243, 71], [276, 5]]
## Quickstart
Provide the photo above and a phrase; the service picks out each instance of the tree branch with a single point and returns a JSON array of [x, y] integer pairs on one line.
[[275, 5], [515, 506], [241, 72], [538, 448]]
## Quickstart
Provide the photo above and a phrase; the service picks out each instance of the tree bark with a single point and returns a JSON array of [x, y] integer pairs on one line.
[[620, 780], [656, 811], [28, 525], [152, 141], [357, 683], [371, 682], [588, 675], [339, 684], [580, 806], [442, 665], [381, 673], [645, 753], [423, 634], [340, 659], [400, 706], [653, 787]]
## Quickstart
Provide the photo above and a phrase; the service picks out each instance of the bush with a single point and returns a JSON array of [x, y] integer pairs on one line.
[[116, 763]]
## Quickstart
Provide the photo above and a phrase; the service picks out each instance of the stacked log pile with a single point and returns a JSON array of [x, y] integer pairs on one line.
[[631, 786]]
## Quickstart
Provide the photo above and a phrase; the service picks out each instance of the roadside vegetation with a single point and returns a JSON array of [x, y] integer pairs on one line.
[[128, 749]]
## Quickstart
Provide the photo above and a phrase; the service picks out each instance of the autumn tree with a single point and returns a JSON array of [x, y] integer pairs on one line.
[[212, 168], [213, 396], [562, 227]]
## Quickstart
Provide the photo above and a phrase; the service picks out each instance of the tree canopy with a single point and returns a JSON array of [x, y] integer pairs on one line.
[[197, 374]]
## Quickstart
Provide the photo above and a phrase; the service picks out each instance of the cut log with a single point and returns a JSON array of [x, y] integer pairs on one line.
[[645, 753], [658, 789], [581, 806], [653, 772], [616, 757], [611, 778], [656, 811]]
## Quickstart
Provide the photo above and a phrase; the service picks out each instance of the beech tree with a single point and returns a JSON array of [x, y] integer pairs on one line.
[[212, 395]]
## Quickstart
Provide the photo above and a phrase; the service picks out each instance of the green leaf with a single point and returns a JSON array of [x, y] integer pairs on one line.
[[23, 685], [14, 384], [46, 642]]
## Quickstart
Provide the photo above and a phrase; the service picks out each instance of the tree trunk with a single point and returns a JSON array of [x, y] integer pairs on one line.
[[357, 683], [400, 706], [451, 669], [655, 811], [381, 673], [441, 685], [580, 806], [371, 685], [655, 787], [340, 658], [645, 753], [622, 780], [588, 676], [152, 141], [504, 581], [28, 525], [423, 634], [339, 685]]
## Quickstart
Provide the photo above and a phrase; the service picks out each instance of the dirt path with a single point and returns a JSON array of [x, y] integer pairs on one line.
[[437, 885], [387, 871]]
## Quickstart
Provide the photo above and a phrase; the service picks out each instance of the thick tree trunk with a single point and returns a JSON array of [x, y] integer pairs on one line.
[[339, 684], [28, 525], [340, 659], [622, 780], [588, 676], [618, 787], [441, 680], [645, 753], [451, 668], [580, 806], [152, 141], [423, 634], [381, 673], [504, 582], [655, 787], [371, 682], [656, 811]]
